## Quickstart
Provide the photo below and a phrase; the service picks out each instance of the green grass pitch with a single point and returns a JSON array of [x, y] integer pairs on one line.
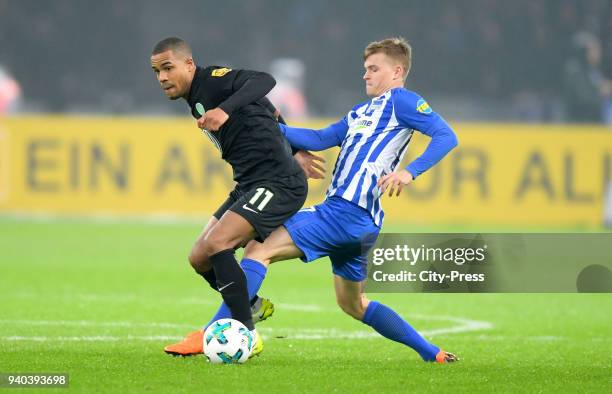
[[100, 300]]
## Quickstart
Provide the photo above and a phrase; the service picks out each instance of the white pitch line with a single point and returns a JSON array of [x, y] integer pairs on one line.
[[204, 300], [460, 325], [464, 325], [304, 308], [325, 334], [94, 323], [542, 338], [353, 335], [99, 338]]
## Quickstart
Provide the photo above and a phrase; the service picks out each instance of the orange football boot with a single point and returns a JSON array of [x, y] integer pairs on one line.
[[445, 357], [190, 346]]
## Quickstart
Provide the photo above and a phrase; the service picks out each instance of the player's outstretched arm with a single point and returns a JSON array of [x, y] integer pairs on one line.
[[443, 140], [316, 140], [414, 112], [310, 163], [248, 87]]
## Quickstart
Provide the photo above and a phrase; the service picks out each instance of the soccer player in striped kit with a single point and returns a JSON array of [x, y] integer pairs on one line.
[[373, 138]]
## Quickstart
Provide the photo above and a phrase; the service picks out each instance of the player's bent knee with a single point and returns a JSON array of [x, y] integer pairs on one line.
[[196, 263], [216, 242], [364, 303], [198, 258], [352, 307], [256, 251]]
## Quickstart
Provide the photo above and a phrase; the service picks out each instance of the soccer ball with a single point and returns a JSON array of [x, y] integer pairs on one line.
[[227, 341]]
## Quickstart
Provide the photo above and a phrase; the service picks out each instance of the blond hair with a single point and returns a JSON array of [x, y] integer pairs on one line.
[[397, 48]]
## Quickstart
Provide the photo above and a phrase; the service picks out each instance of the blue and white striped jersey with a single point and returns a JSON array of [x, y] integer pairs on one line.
[[373, 138]]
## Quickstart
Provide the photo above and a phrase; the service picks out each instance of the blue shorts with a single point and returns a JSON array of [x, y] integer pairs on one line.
[[339, 229]]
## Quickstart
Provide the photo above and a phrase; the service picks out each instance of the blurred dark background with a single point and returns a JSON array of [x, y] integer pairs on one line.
[[473, 59]]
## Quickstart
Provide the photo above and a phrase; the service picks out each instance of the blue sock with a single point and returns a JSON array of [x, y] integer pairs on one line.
[[390, 325], [255, 273]]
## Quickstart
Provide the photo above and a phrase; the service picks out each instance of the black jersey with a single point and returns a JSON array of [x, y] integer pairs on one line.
[[250, 141]]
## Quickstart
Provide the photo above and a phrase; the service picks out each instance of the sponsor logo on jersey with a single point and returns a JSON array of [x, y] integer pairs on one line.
[[423, 107], [363, 124], [200, 108], [249, 208], [220, 72]]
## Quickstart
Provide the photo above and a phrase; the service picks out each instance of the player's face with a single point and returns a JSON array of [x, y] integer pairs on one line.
[[174, 72], [381, 74]]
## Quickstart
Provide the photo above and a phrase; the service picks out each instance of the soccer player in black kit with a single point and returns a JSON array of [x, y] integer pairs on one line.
[[231, 108]]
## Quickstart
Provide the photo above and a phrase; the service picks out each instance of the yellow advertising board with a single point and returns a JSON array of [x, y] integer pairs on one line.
[[514, 175], [499, 174]]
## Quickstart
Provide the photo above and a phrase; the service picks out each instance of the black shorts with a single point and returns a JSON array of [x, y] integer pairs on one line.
[[268, 204]]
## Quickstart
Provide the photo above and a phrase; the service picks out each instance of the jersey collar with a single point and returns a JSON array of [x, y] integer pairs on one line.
[[195, 83]]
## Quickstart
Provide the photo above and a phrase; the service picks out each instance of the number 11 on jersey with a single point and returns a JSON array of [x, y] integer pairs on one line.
[[266, 198]]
